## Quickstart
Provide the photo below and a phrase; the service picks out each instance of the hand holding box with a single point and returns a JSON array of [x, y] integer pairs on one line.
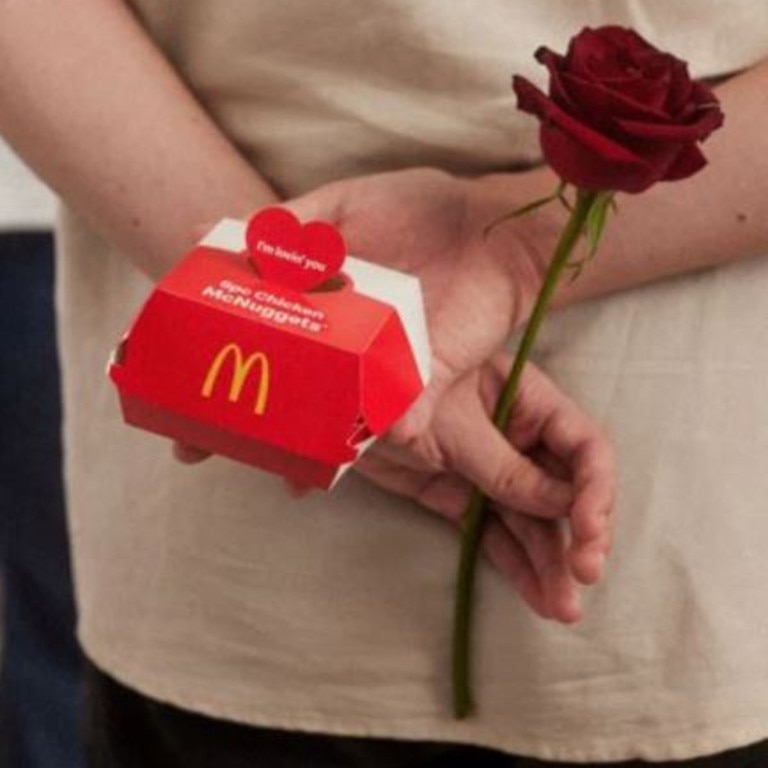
[[269, 355]]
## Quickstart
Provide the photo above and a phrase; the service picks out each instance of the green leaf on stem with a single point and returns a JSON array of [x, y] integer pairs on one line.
[[593, 230], [598, 215], [558, 194], [562, 198]]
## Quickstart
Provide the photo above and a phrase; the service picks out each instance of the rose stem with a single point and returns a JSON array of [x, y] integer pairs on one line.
[[477, 508]]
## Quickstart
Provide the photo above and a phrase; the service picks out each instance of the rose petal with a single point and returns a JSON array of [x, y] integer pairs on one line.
[[690, 160], [701, 93], [585, 168], [621, 60], [707, 122], [603, 52], [701, 100], [646, 82], [680, 88], [647, 88], [602, 101], [557, 91], [530, 99]]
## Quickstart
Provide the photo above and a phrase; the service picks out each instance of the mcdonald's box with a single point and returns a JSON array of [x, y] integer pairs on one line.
[[268, 345]]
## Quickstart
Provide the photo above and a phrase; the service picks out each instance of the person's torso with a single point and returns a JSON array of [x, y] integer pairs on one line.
[[211, 588]]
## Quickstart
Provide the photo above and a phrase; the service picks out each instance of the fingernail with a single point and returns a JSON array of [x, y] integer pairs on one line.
[[574, 607]]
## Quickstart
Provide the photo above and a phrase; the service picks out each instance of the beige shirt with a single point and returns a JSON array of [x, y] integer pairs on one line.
[[210, 588]]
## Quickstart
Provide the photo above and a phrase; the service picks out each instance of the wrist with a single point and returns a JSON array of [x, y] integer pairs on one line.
[[521, 246], [157, 245]]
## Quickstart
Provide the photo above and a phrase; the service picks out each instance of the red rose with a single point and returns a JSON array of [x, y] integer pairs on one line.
[[620, 115]]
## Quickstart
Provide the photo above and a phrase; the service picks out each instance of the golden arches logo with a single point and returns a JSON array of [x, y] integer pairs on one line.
[[241, 369]]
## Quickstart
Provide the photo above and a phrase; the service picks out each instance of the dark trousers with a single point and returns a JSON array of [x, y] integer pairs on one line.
[[128, 730], [40, 695]]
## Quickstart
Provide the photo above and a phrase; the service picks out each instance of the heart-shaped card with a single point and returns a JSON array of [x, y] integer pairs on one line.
[[295, 255]]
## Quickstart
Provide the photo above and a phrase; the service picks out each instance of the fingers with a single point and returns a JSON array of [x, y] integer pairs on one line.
[[297, 490], [568, 470], [562, 438], [510, 558], [475, 449], [322, 204], [503, 474], [444, 493], [581, 446], [509, 478], [529, 553], [188, 454], [592, 513]]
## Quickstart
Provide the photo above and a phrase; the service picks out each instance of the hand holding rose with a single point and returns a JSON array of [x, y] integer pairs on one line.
[[477, 288], [620, 116]]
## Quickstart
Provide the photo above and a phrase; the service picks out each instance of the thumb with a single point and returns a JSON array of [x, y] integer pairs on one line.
[[417, 420], [475, 448], [507, 477], [189, 454], [321, 204]]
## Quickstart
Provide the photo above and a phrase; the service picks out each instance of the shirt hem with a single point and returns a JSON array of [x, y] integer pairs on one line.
[[677, 747]]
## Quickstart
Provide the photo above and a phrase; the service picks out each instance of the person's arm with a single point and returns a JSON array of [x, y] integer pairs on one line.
[[478, 285], [94, 108], [90, 103], [481, 282]]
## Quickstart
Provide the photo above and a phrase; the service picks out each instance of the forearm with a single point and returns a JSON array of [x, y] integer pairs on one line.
[[89, 102], [712, 218]]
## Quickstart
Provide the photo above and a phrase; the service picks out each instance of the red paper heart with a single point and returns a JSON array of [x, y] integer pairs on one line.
[[284, 251]]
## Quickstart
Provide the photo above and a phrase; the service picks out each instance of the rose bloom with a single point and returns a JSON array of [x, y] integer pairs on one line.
[[620, 114]]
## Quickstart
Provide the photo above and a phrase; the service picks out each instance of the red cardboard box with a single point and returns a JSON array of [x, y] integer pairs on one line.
[[297, 382]]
